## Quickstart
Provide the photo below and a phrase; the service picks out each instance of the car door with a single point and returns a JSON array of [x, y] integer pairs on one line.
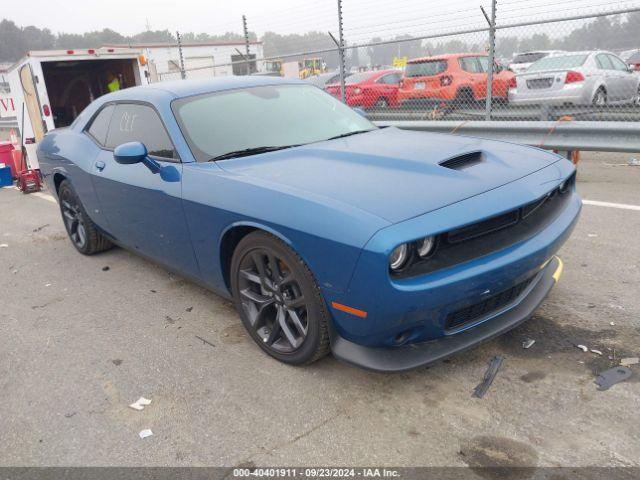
[[144, 210], [475, 74], [611, 78], [628, 82], [387, 87]]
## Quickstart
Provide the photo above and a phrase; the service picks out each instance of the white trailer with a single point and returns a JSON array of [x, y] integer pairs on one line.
[[56, 85]]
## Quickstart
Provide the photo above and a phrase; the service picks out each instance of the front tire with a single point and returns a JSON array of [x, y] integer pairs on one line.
[[82, 232], [278, 300]]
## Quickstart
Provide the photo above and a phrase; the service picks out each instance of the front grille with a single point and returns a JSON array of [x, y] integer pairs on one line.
[[482, 228], [538, 83], [475, 312], [491, 234]]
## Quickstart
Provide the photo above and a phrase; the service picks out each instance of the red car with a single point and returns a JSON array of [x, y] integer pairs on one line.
[[459, 78], [378, 89]]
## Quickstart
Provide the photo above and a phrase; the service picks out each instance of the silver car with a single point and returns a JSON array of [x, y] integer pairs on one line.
[[578, 78], [522, 61]]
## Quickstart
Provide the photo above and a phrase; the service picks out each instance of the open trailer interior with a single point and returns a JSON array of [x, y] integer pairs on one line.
[[53, 87], [73, 85]]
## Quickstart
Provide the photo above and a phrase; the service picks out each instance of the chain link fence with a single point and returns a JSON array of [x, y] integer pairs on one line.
[[509, 60]]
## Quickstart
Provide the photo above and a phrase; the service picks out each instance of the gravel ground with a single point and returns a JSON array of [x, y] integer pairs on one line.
[[79, 342]]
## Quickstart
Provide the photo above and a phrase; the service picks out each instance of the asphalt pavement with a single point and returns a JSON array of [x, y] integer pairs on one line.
[[83, 337]]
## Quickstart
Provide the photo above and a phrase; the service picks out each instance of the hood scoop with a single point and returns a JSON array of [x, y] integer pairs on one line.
[[463, 161]]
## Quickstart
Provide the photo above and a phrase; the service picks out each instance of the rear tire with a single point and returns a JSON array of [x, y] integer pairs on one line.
[[600, 97], [381, 103], [278, 300], [82, 232], [464, 99]]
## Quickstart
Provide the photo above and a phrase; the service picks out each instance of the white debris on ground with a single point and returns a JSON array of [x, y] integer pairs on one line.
[[140, 403], [629, 361], [528, 343], [583, 348], [145, 433]]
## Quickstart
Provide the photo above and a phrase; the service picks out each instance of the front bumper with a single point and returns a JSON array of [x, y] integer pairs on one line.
[[397, 359]]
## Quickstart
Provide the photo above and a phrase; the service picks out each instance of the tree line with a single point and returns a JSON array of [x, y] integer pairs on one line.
[[612, 33]]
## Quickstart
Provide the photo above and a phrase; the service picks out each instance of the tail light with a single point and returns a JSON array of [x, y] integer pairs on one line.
[[512, 83], [91, 51], [46, 110], [573, 77], [70, 52], [636, 67], [446, 80]]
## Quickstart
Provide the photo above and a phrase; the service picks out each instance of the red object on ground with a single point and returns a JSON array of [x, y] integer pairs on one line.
[[6, 149], [29, 181], [16, 166]]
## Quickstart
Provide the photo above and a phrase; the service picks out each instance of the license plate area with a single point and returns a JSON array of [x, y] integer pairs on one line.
[[538, 83]]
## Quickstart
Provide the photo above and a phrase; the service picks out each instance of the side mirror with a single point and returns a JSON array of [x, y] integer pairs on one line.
[[130, 153], [135, 152]]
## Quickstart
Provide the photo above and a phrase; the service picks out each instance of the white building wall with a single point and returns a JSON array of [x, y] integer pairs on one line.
[[199, 60]]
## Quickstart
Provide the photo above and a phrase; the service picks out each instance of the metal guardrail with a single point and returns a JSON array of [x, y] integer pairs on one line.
[[560, 135]]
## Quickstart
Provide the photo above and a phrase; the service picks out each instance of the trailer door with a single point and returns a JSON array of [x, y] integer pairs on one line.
[[32, 102]]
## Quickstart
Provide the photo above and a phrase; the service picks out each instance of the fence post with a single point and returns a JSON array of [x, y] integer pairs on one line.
[[341, 53], [183, 74], [492, 54], [246, 42]]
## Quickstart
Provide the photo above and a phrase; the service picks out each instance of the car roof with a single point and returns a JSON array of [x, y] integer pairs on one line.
[[186, 88], [446, 56]]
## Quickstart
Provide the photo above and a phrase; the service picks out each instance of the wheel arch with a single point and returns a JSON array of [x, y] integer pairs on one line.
[[231, 237], [58, 178]]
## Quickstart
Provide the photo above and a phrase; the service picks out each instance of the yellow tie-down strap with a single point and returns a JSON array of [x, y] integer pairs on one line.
[[559, 268]]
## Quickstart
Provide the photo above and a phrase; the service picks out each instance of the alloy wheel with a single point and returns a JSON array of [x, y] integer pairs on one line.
[[73, 220], [273, 301]]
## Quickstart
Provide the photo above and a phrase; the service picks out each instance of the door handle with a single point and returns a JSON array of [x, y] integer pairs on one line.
[[100, 165]]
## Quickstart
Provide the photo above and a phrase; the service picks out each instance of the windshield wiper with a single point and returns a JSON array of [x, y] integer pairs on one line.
[[250, 151], [349, 134]]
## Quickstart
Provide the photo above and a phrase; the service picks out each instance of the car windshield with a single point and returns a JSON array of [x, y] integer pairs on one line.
[[554, 63], [529, 57], [218, 123], [425, 69]]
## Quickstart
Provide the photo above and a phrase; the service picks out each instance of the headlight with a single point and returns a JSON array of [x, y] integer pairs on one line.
[[399, 257], [425, 246]]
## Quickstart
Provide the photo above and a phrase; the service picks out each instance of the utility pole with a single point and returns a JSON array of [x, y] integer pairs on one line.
[[246, 42], [341, 53], [183, 74], [492, 55]]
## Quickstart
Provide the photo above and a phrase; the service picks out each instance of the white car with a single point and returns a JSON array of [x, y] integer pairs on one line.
[[522, 61], [578, 78]]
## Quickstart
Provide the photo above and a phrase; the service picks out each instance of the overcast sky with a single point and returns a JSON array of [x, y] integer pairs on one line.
[[363, 18]]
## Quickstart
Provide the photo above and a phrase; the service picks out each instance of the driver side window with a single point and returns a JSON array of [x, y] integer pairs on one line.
[[140, 123]]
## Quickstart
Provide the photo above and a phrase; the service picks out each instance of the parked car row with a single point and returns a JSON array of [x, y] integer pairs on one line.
[[546, 77], [455, 78]]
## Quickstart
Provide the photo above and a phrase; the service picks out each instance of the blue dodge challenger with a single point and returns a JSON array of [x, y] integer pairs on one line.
[[390, 248]]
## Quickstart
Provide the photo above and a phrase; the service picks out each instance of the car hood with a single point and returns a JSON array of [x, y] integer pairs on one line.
[[391, 173]]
